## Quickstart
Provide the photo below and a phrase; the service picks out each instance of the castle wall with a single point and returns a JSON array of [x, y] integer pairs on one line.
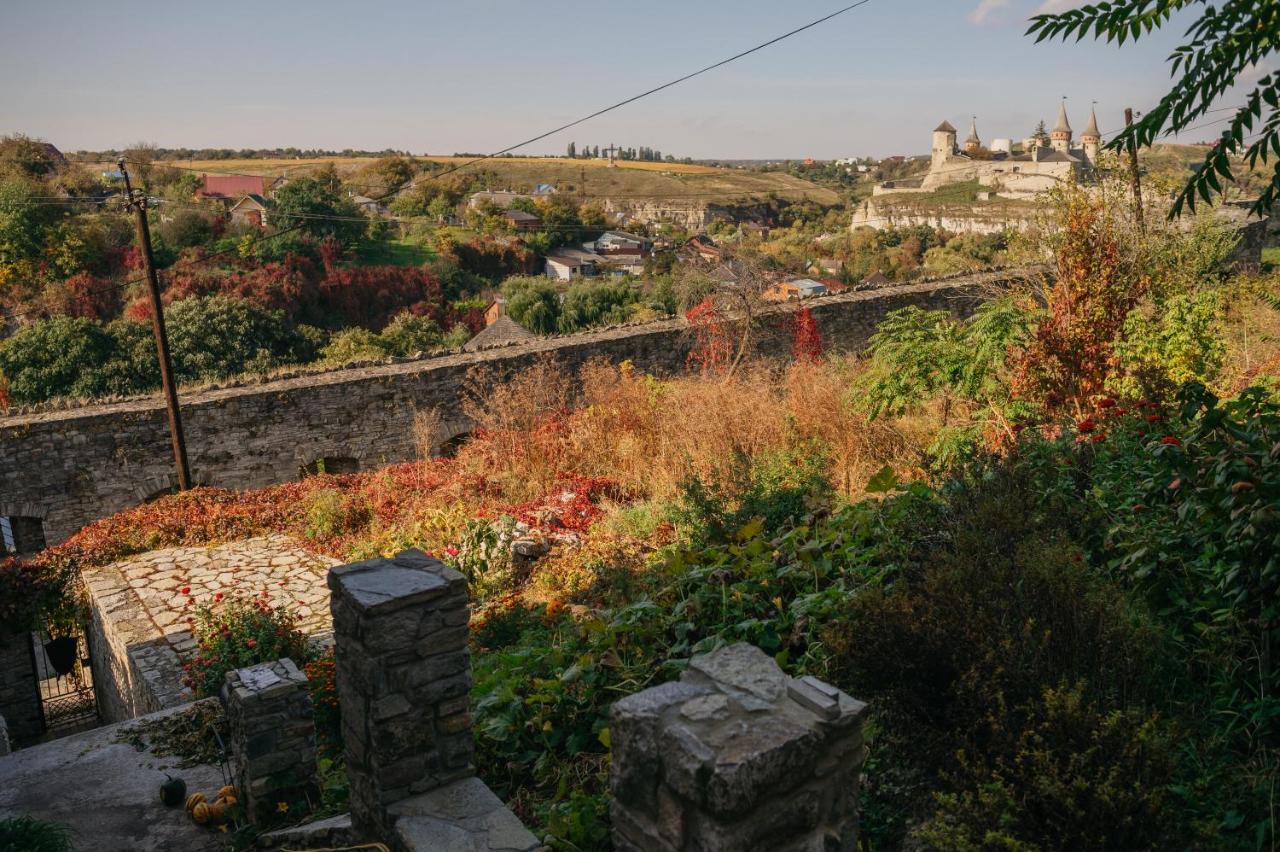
[[69, 467]]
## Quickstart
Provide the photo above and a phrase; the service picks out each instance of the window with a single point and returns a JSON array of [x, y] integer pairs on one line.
[[21, 536]]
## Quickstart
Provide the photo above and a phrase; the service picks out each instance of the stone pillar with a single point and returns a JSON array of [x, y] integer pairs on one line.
[[404, 681], [272, 736], [736, 756], [19, 693]]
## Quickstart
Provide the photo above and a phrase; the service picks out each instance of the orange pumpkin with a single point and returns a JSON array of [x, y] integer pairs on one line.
[[227, 792], [200, 813], [193, 800]]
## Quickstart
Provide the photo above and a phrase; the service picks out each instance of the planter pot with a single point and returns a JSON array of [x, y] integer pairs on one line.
[[62, 654]]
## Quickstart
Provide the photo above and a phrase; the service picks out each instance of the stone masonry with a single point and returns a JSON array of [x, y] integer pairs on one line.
[[272, 736], [19, 700], [404, 683], [140, 635], [736, 757], [70, 466]]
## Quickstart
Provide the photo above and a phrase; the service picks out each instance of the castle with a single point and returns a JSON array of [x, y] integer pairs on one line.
[[1035, 167]]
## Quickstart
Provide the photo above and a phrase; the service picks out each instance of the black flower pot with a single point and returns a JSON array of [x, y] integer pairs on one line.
[[62, 654]]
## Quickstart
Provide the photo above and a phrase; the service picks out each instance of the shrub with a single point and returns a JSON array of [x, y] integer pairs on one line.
[[237, 631], [217, 336], [27, 834], [60, 356]]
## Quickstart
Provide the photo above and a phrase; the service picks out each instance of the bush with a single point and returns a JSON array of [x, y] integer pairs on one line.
[[217, 336], [60, 356], [27, 834], [238, 631]]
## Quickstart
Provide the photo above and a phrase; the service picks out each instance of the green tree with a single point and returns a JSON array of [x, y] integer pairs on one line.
[[319, 209], [24, 221], [59, 356], [217, 336], [533, 302], [408, 334], [1225, 39], [591, 303]]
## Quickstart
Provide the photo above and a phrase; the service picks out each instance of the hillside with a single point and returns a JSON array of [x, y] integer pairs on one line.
[[631, 179]]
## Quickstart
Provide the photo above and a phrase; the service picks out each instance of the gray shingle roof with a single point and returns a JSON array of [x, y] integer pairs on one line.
[[502, 331]]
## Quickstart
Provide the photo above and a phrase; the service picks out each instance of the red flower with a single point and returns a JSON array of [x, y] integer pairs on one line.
[[1153, 418], [1085, 425], [451, 551], [218, 596], [252, 643], [1106, 403], [186, 590], [1170, 441], [1100, 437]]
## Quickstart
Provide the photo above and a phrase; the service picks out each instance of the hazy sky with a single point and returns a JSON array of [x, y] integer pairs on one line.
[[478, 75]]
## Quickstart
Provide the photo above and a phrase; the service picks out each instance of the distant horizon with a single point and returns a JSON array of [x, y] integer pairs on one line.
[[873, 82]]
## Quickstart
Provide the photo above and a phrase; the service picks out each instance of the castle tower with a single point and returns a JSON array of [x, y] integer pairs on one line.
[[1060, 136], [944, 143], [1091, 138], [973, 144]]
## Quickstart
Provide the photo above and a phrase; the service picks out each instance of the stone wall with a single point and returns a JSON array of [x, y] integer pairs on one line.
[[5, 748], [69, 467], [19, 700], [736, 757]]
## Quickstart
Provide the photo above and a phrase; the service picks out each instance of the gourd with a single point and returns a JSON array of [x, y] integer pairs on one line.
[[193, 800], [227, 792], [173, 791], [200, 813], [216, 814]]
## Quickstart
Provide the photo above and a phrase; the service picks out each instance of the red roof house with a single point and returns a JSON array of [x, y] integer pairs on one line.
[[228, 187]]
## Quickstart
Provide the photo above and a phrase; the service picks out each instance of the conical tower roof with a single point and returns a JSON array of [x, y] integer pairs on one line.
[[1092, 128], [1063, 126], [944, 127], [973, 133]]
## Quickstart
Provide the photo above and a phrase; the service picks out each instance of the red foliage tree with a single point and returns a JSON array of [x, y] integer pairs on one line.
[[713, 343], [806, 340], [1072, 353]]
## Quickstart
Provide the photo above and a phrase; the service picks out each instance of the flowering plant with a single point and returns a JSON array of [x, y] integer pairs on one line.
[[238, 631]]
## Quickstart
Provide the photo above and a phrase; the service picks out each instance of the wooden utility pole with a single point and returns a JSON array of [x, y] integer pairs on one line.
[[1134, 180], [138, 204]]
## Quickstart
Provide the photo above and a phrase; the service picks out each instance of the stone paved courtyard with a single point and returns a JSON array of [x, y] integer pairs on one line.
[[141, 605]]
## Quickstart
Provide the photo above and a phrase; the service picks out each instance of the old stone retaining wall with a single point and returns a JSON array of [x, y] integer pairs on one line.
[[19, 700], [70, 467]]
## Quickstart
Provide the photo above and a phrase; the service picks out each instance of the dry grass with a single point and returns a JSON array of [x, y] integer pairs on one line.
[[649, 436]]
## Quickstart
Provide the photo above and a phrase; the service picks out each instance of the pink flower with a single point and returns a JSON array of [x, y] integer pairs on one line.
[[218, 596], [451, 551]]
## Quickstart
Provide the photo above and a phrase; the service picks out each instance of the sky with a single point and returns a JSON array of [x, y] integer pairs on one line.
[[479, 75]]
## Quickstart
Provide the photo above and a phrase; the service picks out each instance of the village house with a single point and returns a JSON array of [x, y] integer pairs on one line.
[[500, 198], [250, 210], [229, 188], [521, 220], [370, 206], [797, 288], [622, 243], [502, 331], [566, 264]]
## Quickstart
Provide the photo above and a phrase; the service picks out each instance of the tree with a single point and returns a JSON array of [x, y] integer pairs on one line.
[[1223, 41], [534, 303], [572, 152], [60, 356], [391, 173], [218, 336], [318, 208]]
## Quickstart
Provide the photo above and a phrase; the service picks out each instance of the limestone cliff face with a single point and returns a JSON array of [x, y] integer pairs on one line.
[[957, 218], [690, 214]]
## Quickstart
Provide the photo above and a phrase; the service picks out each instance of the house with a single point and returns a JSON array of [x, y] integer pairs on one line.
[[250, 210], [620, 242], [522, 221], [497, 308], [565, 264], [501, 199], [797, 288], [501, 332], [370, 206], [876, 279], [754, 229], [226, 188], [827, 265], [700, 246]]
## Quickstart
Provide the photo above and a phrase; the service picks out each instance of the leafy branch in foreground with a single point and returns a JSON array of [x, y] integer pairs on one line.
[[1220, 45]]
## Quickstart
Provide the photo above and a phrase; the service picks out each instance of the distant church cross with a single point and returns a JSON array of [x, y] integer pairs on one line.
[[611, 151]]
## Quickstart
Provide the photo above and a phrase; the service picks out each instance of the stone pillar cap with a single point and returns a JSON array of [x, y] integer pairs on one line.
[[382, 585]]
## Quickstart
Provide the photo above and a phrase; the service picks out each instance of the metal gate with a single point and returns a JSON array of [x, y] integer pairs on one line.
[[64, 677]]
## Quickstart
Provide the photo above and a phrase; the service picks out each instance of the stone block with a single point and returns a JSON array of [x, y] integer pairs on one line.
[[736, 756]]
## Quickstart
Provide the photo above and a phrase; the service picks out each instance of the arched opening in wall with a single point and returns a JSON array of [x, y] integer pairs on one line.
[[163, 492], [332, 465], [21, 535], [449, 449]]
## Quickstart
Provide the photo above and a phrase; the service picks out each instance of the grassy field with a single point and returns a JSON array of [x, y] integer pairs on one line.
[[589, 178]]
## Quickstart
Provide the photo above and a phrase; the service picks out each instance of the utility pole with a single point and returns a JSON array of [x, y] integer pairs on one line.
[[1134, 180], [138, 204]]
